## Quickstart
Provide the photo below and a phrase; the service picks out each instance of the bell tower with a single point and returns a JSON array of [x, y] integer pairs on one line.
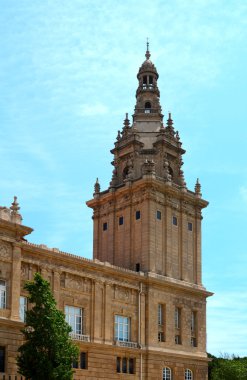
[[147, 220]]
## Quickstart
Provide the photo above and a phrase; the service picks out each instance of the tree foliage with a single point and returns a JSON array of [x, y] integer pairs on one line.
[[227, 368], [48, 351]]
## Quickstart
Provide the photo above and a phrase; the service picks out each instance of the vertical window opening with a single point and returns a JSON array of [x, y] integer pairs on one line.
[[2, 359], [83, 360], [147, 107], [138, 215], [174, 220], [3, 293]]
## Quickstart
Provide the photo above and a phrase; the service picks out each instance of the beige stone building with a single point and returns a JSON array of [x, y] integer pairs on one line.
[[138, 309]]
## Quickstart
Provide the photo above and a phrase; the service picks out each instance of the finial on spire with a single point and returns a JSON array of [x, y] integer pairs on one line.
[[169, 124], [198, 189], [97, 186], [126, 121], [147, 55], [15, 206], [15, 215]]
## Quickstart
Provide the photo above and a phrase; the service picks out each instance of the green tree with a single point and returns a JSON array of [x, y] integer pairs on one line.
[[227, 368], [48, 351]]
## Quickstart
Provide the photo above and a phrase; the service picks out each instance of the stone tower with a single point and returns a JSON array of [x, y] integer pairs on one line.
[[147, 220]]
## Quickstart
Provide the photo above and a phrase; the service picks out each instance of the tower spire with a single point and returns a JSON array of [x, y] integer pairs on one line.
[[147, 55]]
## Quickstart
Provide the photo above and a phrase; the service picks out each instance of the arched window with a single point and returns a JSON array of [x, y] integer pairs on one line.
[[145, 79], [188, 374], [147, 107], [150, 79], [167, 374]]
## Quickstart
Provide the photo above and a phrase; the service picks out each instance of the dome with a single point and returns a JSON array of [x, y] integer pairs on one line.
[[147, 66]]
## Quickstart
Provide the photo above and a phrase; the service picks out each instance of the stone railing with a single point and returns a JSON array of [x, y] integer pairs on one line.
[[126, 344], [80, 337]]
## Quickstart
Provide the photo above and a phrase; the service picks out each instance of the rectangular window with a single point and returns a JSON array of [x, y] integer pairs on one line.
[[3, 293], [138, 214], [160, 314], [122, 328], [161, 336], [193, 342], [177, 339], [73, 316], [125, 365], [131, 365], [158, 215], [118, 364], [2, 359], [23, 308], [121, 220], [105, 226], [83, 360], [174, 220], [177, 318], [190, 226], [193, 321], [193, 328]]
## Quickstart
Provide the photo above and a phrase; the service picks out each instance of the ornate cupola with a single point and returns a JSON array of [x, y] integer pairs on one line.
[[147, 94], [147, 218]]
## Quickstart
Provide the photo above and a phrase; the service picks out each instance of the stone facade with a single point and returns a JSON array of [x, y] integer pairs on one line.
[[141, 302]]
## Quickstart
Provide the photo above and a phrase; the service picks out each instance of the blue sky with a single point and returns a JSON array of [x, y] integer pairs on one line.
[[67, 77]]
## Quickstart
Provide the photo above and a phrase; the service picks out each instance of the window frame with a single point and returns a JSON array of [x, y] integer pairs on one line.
[[158, 215], [126, 365], [2, 359], [174, 220], [3, 294], [188, 374], [166, 373], [122, 328], [178, 316], [23, 308], [74, 320], [84, 354], [121, 220], [138, 214]]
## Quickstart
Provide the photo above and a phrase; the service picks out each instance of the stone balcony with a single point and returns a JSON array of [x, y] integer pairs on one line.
[[126, 344], [80, 337]]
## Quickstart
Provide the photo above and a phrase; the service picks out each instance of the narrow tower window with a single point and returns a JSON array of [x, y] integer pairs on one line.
[[147, 107], [121, 220], [158, 214], [190, 226], [174, 220], [105, 226], [138, 214]]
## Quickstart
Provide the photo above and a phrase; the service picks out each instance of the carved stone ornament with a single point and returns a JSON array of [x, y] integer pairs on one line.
[[5, 250], [79, 283], [24, 271], [122, 294]]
